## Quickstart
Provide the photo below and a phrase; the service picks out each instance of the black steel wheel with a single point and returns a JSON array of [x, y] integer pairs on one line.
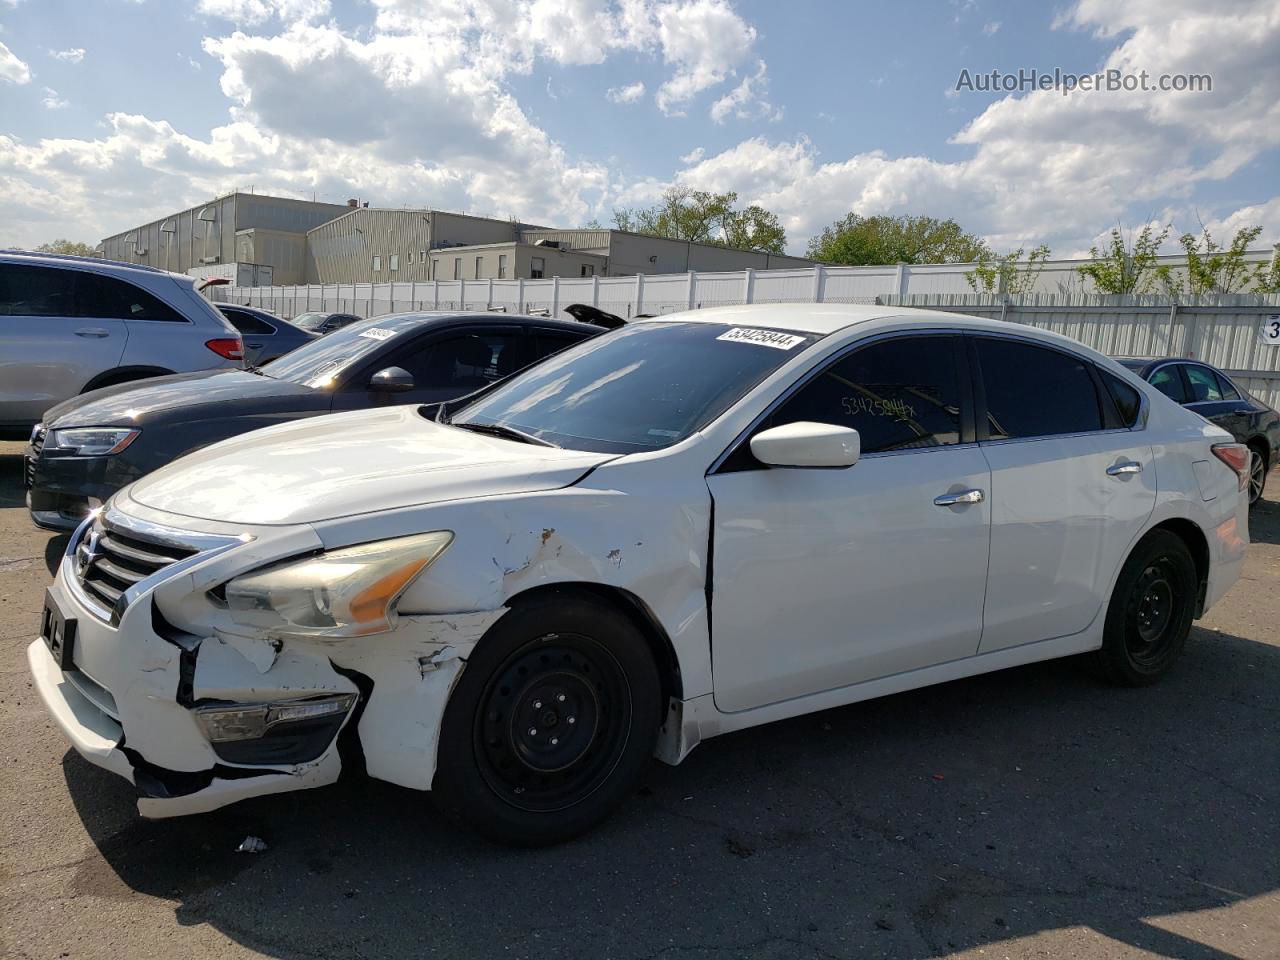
[[1151, 610], [551, 723]]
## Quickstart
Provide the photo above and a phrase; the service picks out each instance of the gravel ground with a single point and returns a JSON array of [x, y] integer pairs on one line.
[[1030, 813]]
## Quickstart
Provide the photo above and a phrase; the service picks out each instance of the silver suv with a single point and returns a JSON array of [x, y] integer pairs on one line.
[[73, 324]]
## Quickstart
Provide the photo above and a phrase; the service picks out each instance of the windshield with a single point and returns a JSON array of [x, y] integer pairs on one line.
[[642, 387], [320, 362], [309, 321]]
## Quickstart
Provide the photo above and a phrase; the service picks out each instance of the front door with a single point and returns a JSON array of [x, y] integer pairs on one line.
[[1071, 489], [824, 578]]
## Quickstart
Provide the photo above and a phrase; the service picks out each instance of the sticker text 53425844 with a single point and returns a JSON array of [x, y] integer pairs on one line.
[[762, 338]]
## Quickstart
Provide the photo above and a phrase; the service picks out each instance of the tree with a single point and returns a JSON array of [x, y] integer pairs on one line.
[[703, 217], [67, 246], [1211, 268], [856, 240], [1124, 266], [1000, 274]]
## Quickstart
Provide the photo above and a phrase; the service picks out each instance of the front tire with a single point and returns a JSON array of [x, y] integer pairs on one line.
[[1150, 612], [552, 723]]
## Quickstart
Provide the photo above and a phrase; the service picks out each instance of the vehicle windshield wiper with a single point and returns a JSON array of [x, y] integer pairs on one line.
[[507, 433]]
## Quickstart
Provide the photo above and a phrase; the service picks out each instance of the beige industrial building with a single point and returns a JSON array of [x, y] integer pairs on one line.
[[238, 228], [253, 239]]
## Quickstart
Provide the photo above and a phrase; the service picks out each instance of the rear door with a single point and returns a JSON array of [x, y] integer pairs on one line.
[[1072, 486], [53, 346], [257, 334], [1216, 399]]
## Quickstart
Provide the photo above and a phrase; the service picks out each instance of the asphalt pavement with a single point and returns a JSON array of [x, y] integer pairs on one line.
[[1029, 813]]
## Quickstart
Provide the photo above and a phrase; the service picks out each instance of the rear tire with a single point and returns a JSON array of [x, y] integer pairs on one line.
[[551, 724], [1257, 474], [1150, 612]]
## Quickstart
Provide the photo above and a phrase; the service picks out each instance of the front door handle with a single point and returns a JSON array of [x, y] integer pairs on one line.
[[1124, 469], [92, 332], [959, 498]]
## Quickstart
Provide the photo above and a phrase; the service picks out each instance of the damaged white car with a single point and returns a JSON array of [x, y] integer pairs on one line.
[[687, 526]]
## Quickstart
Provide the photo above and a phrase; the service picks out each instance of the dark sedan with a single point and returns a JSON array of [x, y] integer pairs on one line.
[[322, 323], [266, 337], [96, 443], [1212, 394]]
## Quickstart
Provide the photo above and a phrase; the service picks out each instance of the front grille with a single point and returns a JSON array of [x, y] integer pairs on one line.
[[37, 444], [111, 559]]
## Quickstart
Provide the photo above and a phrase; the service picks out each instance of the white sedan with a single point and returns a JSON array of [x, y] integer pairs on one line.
[[684, 527]]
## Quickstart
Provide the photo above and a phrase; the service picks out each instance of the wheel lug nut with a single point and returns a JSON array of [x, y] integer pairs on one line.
[[537, 704], [533, 731], [573, 719], [560, 698], [554, 741]]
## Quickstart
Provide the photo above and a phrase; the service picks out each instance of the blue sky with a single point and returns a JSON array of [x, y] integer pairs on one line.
[[114, 111]]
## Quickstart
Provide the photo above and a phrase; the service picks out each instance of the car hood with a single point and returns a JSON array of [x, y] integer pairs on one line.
[[350, 463], [137, 402]]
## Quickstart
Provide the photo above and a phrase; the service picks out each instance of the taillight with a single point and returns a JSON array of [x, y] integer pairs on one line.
[[1235, 456], [232, 348]]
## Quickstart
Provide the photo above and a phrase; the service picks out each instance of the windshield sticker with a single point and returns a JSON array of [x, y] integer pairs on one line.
[[763, 338], [378, 333]]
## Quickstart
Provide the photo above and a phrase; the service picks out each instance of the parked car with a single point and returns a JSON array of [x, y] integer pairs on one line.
[[1212, 394], [74, 324], [266, 337], [89, 447], [322, 323], [683, 527]]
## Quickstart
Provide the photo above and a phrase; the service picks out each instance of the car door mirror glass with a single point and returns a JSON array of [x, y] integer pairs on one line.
[[391, 380], [807, 444]]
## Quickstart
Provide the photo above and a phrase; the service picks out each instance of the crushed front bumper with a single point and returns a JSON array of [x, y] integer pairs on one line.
[[131, 699]]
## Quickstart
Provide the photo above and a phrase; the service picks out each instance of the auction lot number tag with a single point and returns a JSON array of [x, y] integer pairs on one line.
[[762, 338], [1269, 332], [378, 333]]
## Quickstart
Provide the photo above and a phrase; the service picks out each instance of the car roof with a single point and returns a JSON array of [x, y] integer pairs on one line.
[[1146, 363], [99, 263], [446, 318]]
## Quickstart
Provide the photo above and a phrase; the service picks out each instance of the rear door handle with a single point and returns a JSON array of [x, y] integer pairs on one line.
[[253, 346], [92, 332], [1124, 469], [959, 499]]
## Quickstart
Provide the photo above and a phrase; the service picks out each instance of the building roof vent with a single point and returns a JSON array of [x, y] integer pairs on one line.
[[554, 244], [353, 202]]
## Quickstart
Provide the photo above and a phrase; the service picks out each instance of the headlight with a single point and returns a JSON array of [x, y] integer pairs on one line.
[[91, 441], [350, 592]]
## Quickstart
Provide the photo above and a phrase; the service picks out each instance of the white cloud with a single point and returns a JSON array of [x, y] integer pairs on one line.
[[52, 101], [746, 100], [693, 156], [254, 12], [628, 94], [704, 41], [12, 68], [71, 55], [1053, 168], [991, 27]]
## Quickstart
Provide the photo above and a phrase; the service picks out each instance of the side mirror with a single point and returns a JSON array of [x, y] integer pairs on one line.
[[807, 444], [391, 380]]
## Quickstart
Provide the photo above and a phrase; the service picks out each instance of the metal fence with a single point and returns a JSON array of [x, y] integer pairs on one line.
[[1224, 330]]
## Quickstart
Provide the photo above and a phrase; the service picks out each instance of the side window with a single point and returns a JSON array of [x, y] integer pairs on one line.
[[37, 291], [1169, 382], [107, 298], [1127, 399], [1036, 391], [548, 342], [247, 323], [1202, 383], [468, 361], [1229, 392], [899, 394]]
